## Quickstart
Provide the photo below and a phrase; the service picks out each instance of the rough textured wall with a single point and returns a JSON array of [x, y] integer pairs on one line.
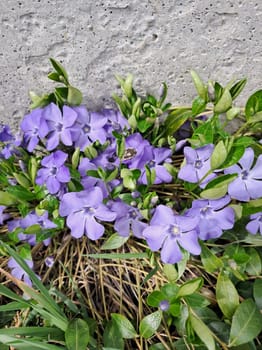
[[156, 40]]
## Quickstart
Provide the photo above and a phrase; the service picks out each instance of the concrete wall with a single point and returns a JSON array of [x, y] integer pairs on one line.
[[156, 40]]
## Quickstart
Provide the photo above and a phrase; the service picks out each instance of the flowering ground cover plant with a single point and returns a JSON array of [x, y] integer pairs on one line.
[[132, 228]]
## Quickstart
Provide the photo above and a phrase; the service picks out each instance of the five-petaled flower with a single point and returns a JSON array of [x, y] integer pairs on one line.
[[214, 217], [248, 184], [168, 231], [197, 165], [255, 225], [83, 209], [54, 173]]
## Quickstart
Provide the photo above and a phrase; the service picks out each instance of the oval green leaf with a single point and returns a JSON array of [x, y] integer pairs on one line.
[[113, 242], [149, 324], [125, 327], [203, 332], [190, 287], [246, 323], [227, 296], [77, 335]]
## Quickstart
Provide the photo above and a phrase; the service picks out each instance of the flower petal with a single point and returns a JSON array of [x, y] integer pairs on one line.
[[170, 253], [76, 222], [163, 215], [155, 235], [93, 229]]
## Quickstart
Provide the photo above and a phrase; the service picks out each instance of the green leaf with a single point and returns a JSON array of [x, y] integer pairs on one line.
[[257, 292], [219, 155], [77, 335], [149, 324], [199, 85], [227, 296], [125, 327], [170, 272], [203, 332], [59, 68], [7, 199], [203, 135], [112, 338], [22, 180], [254, 104], [74, 96], [190, 287], [209, 260], [224, 103], [246, 323], [233, 156], [113, 242], [236, 89], [252, 207], [232, 113], [254, 265], [155, 298], [176, 119], [21, 193], [214, 193], [198, 106]]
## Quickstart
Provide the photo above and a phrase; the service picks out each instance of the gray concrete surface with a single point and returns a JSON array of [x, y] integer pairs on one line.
[[156, 40]]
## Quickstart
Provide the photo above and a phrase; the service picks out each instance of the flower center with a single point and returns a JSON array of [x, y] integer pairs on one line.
[[206, 211], [244, 175], [129, 153], [53, 171], [132, 214], [198, 164], [86, 129], [175, 230], [59, 127], [151, 164], [88, 210]]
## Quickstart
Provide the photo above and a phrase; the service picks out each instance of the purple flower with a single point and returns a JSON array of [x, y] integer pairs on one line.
[[168, 232], [60, 126], [108, 159], [248, 184], [89, 128], [255, 224], [54, 173], [10, 148], [128, 219], [134, 150], [197, 164], [18, 272], [82, 209], [164, 305], [90, 181], [34, 127], [115, 121], [5, 133], [28, 221], [49, 261], [213, 216], [3, 216], [154, 159]]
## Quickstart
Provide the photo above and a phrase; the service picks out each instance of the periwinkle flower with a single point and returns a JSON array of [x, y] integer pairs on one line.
[[18, 272], [197, 164], [34, 127], [3, 216], [115, 121], [255, 225], [61, 125], [128, 219], [49, 261], [214, 217], [54, 173], [89, 128], [134, 150], [164, 305], [28, 221], [5, 133], [248, 184], [168, 232], [90, 181], [155, 158], [108, 159], [82, 210]]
